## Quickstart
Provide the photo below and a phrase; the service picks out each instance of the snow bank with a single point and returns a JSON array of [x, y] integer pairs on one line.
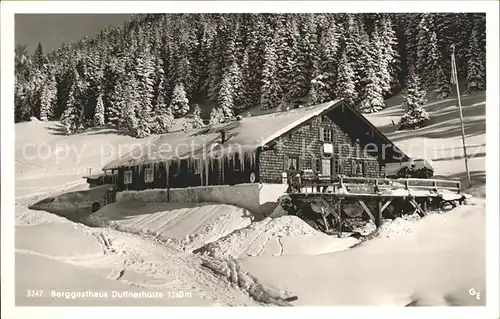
[[272, 237], [398, 226], [73, 205], [77, 241], [75, 259], [25, 216], [73, 282], [194, 225], [436, 264]]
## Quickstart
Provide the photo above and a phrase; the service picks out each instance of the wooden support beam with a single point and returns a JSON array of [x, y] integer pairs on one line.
[[330, 206], [324, 219], [339, 208], [386, 205], [367, 210], [378, 220], [417, 207], [325, 212]]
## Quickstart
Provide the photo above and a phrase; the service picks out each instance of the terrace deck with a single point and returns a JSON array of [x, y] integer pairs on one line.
[[331, 191]]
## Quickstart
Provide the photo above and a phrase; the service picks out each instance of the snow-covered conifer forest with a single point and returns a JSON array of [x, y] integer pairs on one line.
[[139, 77]]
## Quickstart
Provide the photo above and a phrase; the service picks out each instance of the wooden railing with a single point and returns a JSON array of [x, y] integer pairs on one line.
[[336, 183]]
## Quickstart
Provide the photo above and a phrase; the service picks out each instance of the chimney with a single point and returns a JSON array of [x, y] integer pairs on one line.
[[223, 137]]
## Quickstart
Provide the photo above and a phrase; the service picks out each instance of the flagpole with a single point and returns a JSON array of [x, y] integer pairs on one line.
[[455, 78]]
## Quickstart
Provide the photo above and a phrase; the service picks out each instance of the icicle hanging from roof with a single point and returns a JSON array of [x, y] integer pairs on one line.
[[206, 171], [167, 172], [202, 170], [222, 164]]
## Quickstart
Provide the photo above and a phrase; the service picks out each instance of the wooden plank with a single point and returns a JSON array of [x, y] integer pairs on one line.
[[324, 213], [339, 208], [360, 195], [379, 213], [324, 219], [417, 207], [386, 205], [366, 209], [330, 207]]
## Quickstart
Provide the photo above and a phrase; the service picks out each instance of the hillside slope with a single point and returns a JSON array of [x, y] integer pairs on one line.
[[441, 139]]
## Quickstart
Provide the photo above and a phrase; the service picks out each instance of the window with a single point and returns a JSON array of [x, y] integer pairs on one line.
[[127, 177], [325, 134], [361, 168], [315, 164], [292, 163], [337, 166], [326, 166], [358, 168], [148, 175], [328, 135]]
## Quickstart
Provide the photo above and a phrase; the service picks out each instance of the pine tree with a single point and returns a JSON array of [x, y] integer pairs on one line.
[[346, 87], [292, 78], [99, 112], [270, 91], [48, 97], [476, 74], [69, 118], [216, 116], [373, 100], [128, 121], [430, 62], [323, 83], [236, 81], [226, 101], [197, 120], [179, 102], [163, 118], [389, 43], [39, 59], [414, 101], [244, 96], [435, 77], [307, 59], [144, 69]]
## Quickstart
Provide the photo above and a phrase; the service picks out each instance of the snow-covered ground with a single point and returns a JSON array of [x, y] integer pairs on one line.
[[433, 261], [434, 264], [190, 225]]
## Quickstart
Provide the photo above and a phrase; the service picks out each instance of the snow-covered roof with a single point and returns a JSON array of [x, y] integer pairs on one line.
[[245, 135]]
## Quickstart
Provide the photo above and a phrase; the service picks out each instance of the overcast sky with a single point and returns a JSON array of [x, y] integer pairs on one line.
[[54, 29]]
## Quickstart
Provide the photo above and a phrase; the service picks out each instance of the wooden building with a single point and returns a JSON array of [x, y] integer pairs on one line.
[[329, 139]]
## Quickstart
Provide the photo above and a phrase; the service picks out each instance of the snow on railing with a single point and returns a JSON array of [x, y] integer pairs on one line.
[[372, 185]]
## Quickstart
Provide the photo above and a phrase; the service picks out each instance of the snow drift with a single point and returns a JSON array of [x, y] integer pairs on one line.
[[272, 237], [434, 264], [192, 225]]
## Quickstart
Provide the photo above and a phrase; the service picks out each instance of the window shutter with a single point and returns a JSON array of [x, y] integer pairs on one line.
[[365, 168], [353, 167], [322, 134], [299, 164], [285, 162]]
